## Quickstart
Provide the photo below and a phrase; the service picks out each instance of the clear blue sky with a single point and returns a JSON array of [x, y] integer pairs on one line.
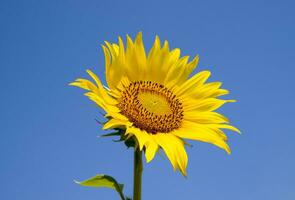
[[48, 132]]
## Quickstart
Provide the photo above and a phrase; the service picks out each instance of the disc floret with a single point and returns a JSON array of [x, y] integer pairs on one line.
[[151, 107]]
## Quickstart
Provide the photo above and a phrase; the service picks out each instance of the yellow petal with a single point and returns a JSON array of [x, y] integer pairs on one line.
[[205, 105], [218, 93], [98, 100], [115, 70], [101, 91], [107, 56], [141, 136], [160, 61], [174, 150], [140, 52], [189, 69], [205, 90], [97, 94], [116, 115], [208, 90], [205, 117], [176, 72], [194, 82], [115, 123], [153, 61], [116, 49], [135, 59], [84, 84], [101, 103], [227, 126], [150, 150], [113, 49], [121, 55], [201, 133]]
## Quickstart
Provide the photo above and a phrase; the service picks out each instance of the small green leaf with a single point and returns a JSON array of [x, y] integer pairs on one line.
[[102, 180]]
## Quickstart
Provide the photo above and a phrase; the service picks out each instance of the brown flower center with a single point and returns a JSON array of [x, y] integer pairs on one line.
[[151, 107]]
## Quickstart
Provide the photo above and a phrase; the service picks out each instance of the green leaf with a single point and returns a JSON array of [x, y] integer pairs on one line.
[[102, 180]]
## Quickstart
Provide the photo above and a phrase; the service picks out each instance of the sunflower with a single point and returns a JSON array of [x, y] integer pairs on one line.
[[154, 99]]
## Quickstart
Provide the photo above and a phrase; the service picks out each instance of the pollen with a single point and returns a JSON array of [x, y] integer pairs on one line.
[[151, 107]]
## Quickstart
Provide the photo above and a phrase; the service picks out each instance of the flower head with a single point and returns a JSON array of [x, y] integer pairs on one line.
[[153, 98]]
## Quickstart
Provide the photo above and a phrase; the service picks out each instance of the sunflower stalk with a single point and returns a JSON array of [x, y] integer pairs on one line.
[[138, 168]]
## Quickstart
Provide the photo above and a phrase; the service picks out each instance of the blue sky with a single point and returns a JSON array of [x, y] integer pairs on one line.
[[48, 132]]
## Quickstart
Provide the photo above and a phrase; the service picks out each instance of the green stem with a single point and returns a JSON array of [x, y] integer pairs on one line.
[[137, 174]]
